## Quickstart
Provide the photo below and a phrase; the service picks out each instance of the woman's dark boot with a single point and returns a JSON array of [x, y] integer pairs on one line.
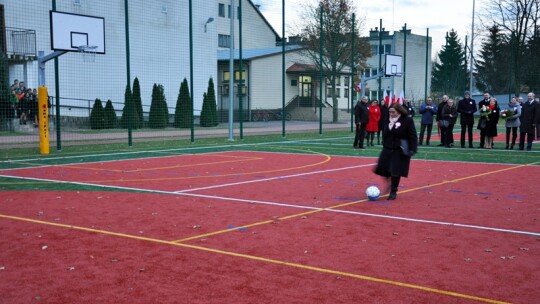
[[394, 180]]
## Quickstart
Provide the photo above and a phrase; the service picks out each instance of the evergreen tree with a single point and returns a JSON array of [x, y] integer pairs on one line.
[[183, 113], [492, 65], [449, 75], [159, 114], [137, 102], [127, 111], [97, 118], [209, 108], [110, 115]]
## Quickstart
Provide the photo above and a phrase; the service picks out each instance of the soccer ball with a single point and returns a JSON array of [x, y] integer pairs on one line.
[[373, 193]]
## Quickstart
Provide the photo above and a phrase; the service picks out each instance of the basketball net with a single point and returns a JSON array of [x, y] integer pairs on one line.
[[88, 52]]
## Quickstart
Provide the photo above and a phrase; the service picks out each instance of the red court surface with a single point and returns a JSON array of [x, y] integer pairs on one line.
[[272, 228]]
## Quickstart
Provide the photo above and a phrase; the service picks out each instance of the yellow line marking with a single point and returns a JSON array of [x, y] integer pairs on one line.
[[353, 203], [220, 232], [262, 259], [327, 158]]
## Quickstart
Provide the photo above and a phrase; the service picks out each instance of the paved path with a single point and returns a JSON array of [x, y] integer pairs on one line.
[[71, 137]]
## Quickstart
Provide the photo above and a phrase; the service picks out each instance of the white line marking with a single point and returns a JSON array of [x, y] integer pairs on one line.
[[273, 178], [536, 234]]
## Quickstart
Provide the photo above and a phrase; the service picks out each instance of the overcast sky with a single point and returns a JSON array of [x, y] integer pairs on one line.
[[439, 16]]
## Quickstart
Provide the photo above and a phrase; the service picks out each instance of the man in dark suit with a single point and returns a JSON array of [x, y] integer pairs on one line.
[[466, 108], [530, 117], [483, 102], [361, 118]]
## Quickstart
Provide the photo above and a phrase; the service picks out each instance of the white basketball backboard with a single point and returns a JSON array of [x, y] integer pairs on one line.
[[71, 31], [393, 66]]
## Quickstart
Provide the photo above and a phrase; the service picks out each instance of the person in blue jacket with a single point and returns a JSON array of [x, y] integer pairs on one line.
[[428, 111]]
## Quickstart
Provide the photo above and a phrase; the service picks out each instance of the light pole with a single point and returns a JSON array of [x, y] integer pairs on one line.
[[472, 55]]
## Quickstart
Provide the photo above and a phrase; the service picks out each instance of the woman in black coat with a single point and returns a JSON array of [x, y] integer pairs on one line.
[[448, 113], [491, 123], [394, 161]]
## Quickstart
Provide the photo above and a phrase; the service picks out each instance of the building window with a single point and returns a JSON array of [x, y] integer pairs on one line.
[[224, 41], [338, 80], [338, 92], [383, 49], [222, 10], [229, 11], [294, 83], [346, 92], [346, 81], [243, 90], [237, 75]]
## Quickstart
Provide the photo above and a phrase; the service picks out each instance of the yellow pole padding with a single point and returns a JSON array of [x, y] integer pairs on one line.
[[43, 113]]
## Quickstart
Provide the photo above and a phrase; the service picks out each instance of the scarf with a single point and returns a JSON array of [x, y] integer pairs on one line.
[[393, 122]]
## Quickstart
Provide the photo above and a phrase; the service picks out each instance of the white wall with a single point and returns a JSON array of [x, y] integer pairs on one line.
[[256, 33], [159, 48]]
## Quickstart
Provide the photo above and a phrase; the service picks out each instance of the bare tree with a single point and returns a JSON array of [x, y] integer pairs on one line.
[[517, 20], [337, 41]]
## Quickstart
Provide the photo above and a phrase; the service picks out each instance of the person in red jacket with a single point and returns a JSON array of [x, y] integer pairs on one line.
[[373, 123]]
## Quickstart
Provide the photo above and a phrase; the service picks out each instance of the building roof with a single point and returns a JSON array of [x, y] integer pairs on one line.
[[250, 54]]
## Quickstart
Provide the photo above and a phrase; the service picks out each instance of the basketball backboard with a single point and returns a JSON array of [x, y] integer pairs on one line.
[[393, 66], [70, 32]]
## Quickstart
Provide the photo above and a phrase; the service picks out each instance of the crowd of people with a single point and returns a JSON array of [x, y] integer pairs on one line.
[[24, 103], [520, 116], [400, 139]]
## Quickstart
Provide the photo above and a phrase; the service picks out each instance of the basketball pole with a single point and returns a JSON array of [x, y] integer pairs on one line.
[[43, 101]]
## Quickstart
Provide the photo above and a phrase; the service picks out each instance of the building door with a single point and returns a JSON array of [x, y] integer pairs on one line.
[[305, 86]]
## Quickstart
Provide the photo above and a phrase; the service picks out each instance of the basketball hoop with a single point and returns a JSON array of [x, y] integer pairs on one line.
[[88, 52]]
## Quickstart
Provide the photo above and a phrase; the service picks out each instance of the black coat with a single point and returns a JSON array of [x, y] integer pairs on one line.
[[466, 108], [449, 113], [491, 124], [361, 113], [392, 161], [530, 115]]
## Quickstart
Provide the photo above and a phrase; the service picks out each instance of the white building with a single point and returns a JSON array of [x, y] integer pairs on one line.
[[415, 63], [159, 52]]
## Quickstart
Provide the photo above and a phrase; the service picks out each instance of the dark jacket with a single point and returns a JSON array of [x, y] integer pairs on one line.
[[361, 113], [427, 111], [410, 109], [530, 116], [449, 113], [439, 109], [392, 162], [491, 123], [466, 108]]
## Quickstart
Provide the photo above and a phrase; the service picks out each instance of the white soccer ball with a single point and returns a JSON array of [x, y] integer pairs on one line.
[[373, 193]]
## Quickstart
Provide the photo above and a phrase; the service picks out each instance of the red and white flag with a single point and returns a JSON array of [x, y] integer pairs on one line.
[[386, 99], [401, 98], [393, 98]]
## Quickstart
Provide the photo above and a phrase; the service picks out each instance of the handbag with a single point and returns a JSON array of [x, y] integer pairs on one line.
[[482, 124], [444, 123], [404, 145]]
